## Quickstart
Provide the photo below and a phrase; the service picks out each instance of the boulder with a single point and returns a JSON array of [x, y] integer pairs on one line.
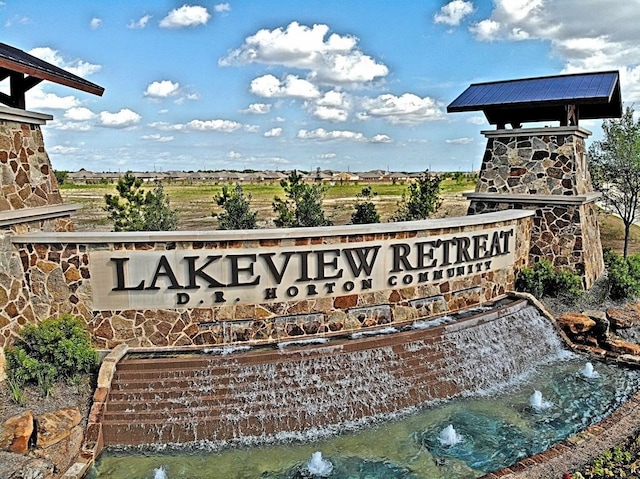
[[64, 452], [623, 347], [623, 318], [16, 432], [575, 323], [55, 426], [601, 330], [17, 466]]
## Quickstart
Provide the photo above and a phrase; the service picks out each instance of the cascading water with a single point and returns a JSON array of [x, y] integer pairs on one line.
[[491, 364]]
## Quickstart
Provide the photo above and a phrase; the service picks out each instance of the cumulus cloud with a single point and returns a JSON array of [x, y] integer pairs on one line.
[[77, 66], [333, 106], [459, 141], [63, 150], [405, 109], [453, 12], [381, 139], [139, 24], [225, 126], [258, 109], [329, 58], [322, 134], [268, 86], [222, 7], [186, 16], [597, 35], [78, 114], [124, 118], [234, 155], [158, 138], [95, 23], [162, 89], [273, 133]]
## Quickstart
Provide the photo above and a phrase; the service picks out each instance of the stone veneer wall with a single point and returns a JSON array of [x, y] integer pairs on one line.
[[51, 275], [545, 170]]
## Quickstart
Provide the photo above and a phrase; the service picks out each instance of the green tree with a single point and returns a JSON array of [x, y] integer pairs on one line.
[[365, 211], [422, 201], [303, 204], [237, 214], [615, 169], [137, 210], [61, 176]]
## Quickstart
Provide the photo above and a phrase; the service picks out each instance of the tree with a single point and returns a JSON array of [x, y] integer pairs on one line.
[[423, 199], [365, 212], [137, 210], [303, 205], [237, 213], [615, 169], [61, 176]]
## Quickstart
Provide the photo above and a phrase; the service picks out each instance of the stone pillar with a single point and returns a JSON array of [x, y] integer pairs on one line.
[[546, 170], [29, 201]]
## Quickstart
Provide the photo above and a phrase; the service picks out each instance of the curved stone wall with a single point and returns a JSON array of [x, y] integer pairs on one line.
[[422, 268]]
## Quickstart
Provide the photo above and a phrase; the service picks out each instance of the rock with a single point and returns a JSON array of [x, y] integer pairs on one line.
[[576, 323], [3, 365], [16, 432], [55, 426], [65, 451], [17, 466], [622, 347], [622, 318], [601, 330]]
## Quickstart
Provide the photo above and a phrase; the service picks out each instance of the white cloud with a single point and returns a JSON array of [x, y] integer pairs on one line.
[[486, 30], [78, 114], [63, 150], [222, 7], [453, 12], [225, 126], [124, 118], [234, 155], [158, 138], [164, 126], [273, 133], [77, 67], [381, 139], [186, 16], [76, 126], [162, 89], [268, 86], [333, 106], [330, 59], [37, 98], [139, 24], [477, 120], [459, 141], [405, 109], [258, 109], [95, 23], [322, 134]]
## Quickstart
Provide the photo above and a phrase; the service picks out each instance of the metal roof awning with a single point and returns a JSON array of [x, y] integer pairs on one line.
[[25, 71], [563, 98]]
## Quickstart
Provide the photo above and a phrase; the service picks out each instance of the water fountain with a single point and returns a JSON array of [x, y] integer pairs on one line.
[[160, 473], [319, 467], [538, 403], [449, 437], [589, 372]]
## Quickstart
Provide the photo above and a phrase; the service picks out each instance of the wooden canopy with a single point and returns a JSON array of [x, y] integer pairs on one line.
[[564, 98], [26, 71]]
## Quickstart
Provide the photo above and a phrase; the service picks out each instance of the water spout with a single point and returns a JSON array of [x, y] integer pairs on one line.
[[160, 473], [538, 402], [449, 437], [588, 371], [319, 467]]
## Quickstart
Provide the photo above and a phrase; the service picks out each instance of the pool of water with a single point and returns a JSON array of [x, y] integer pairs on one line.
[[495, 429]]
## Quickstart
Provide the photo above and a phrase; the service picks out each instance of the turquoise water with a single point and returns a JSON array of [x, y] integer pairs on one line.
[[496, 429]]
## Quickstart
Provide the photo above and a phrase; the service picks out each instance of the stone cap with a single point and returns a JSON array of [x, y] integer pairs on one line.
[[24, 215], [538, 131], [275, 234], [23, 116], [535, 198]]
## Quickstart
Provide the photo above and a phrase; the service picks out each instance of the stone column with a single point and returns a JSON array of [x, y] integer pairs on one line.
[[546, 170]]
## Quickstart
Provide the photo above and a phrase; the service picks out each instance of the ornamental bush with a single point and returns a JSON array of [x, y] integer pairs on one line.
[[623, 275], [544, 280], [56, 349]]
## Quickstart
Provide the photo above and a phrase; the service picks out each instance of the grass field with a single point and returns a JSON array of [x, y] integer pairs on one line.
[[195, 205]]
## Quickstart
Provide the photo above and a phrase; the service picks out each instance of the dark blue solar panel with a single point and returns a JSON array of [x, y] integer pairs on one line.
[[562, 88]]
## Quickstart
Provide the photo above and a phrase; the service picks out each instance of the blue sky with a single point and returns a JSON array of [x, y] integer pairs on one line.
[[337, 84]]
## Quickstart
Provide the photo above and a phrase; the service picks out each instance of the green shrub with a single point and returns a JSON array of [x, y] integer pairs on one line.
[[57, 348], [543, 280], [623, 275]]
